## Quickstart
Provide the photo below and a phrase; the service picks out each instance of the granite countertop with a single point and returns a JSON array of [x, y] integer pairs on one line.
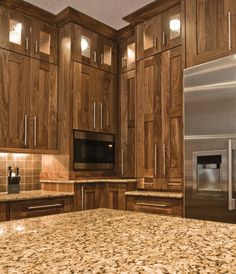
[[109, 241], [30, 195], [82, 181], [174, 195]]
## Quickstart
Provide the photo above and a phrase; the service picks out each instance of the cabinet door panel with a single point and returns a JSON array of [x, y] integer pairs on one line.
[[43, 105], [108, 55], [127, 121], [206, 30], [14, 96], [127, 54]]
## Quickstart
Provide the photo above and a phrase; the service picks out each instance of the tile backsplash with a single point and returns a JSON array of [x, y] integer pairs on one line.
[[30, 168]]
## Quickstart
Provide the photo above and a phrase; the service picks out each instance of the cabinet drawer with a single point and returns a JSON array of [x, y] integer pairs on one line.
[[40, 207], [158, 206]]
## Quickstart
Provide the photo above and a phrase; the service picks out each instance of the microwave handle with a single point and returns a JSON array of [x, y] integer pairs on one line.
[[231, 200]]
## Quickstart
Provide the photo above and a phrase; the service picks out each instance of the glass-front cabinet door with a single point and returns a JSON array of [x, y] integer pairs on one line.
[[15, 31], [44, 42], [127, 54], [171, 28], [108, 55], [149, 37], [85, 46]]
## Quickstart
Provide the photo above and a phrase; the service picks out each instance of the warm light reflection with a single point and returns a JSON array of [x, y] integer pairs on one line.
[[3, 155], [2, 231], [19, 228], [131, 53], [15, 32], [84, 44], [19, 155], [175, 25]]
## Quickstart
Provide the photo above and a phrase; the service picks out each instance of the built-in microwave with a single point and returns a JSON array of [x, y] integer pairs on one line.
[[93, 151]]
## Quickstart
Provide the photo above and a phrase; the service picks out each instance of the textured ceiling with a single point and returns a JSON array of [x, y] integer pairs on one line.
[[109, 12]]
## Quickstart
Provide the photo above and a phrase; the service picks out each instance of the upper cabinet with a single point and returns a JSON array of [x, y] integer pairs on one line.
[[44, 42], [127, 54], [210, 30], [94, 50], [159, 33], [22, 35], [15, 31]]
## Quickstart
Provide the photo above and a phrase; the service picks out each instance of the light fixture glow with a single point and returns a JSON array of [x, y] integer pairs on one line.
[[175, 25], [84, 44]]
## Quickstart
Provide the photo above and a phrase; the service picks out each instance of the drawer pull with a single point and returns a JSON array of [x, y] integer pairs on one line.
[[152, 205], [45, 206]]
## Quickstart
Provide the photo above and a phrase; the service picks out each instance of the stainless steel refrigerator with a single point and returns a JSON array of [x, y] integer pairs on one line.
[[210, 140]]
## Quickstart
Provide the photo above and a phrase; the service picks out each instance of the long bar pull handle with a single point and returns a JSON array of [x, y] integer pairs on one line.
[[101, 111], [94, 115], [229, 30], [231, 200], [164, 159], [95, 56], [155, 41], [122, 162], [152, 205], [26, 129], [36, 49], [163, 38], [45, 206], [35, 131], [102, 59], [27, 43], [155, 160], [82, 198]]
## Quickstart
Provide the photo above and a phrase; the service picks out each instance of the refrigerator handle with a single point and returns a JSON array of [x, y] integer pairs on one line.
[[231, 200]]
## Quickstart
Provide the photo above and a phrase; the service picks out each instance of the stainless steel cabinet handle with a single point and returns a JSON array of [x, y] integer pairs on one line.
[[163, 38], [229, 30], [122, 162], [94, 114], [124, 62], [27, 43], [101, 110], [155, 160], [35, 131], [102, 59], [44, 206], [231, 200], [95, 56], [26, 129], [164, 159], [36, 49], [155, 41], [152, 205]]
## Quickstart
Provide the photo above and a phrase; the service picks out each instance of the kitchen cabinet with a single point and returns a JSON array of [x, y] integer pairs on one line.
[[40, 207], [209, 30], [94, 104], [44, 42], [15, 31], [14, 100], [87, 196], [149, 39], [148, 83], [4, 212], [43, 105], [94, 50], [128, 124], [127, 54], [114, 196]]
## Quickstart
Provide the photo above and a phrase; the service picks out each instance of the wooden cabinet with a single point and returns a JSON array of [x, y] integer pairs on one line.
[[127, 54], [95, 99], [94, 50], [14, 100], [165, 206], [43, 105], [44, 42], [114, 196], [148, 83], [128, 123], [149, 39], [209, 30], [40, 207], [87, 196], [15, 31], [4, 211]]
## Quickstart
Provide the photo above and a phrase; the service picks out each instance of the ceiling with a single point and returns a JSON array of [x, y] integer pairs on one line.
[[109, 12]]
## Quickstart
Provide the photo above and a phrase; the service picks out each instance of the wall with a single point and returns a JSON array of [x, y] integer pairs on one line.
[[30, 168]]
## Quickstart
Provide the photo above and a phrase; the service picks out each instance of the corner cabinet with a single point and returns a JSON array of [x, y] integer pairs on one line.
[[94, 99], [210, 30], [127, 54]]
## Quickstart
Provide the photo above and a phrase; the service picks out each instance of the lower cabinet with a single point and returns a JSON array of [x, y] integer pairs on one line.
[[35, 208], [166, 206]]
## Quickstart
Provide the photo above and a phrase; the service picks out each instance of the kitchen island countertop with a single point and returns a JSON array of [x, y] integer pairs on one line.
[[109, 241]]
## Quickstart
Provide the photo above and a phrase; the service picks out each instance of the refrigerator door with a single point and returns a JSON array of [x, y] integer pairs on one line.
[[210, 98], [209, 191]]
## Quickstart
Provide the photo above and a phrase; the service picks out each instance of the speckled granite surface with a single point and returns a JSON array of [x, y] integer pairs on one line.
[[175, 195], [109, 241], [82, 181], [30, 195]]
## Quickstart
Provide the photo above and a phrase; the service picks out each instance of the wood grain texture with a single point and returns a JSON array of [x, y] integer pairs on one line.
[[125, 33], [4, 212]]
